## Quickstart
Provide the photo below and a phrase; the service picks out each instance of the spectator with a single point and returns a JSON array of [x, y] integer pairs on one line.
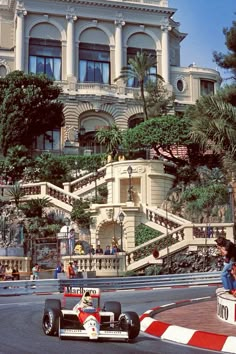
[[115, 250], [35, 271], [70, 271], [2, 271], [76, 269], [91, 249], [99, 250], [16, 273], [107, 250], [8, 275], [71, 241], [58, 270], [228, 250]]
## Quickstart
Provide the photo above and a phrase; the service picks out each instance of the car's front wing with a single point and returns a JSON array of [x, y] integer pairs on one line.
[[102, 334]]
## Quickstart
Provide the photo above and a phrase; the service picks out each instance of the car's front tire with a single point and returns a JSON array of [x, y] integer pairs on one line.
[[129, 321], [50, 322]]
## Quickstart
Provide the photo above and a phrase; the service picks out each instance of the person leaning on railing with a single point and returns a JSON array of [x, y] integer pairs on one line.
[[228, 250]]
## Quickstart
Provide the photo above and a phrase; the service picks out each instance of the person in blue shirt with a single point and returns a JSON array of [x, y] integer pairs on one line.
[[107, 250], [58, 270]]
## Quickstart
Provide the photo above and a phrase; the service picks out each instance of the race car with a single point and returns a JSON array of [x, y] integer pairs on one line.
[[86, 319]]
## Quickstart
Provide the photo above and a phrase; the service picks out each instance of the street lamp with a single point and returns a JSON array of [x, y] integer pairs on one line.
[[67, 223], [81, 131], [129, 170], [95, 174], [231, 202], [121, 217]]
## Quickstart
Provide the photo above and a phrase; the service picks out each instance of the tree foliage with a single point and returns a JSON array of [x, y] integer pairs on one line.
[[16, 161], [213, 125], [161, 134], [80, 213], [158, 99], [111, 138], [29, 107], [228, 61], [139, 69]]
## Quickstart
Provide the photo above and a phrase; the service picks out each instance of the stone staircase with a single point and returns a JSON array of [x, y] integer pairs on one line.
[[177, 233]]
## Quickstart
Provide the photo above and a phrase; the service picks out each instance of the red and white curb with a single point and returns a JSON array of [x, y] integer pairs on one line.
[[182, 335]]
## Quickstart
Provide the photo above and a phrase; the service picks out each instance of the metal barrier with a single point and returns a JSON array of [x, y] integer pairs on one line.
[[26, 287]]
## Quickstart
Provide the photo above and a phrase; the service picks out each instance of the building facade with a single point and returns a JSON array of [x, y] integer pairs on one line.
[[83, 45]]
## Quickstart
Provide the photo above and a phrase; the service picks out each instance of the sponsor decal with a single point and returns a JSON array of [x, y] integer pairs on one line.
[[72, 331], [82, 291], [113, 332], [222, 311]]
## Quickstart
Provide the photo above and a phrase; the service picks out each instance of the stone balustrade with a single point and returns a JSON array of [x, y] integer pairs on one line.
[[112, 265], [10, 262]]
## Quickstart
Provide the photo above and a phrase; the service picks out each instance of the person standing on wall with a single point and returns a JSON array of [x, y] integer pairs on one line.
[[35, 271], [71, 241]]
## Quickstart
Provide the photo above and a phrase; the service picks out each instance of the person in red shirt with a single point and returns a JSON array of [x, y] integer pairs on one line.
[[71, 271]]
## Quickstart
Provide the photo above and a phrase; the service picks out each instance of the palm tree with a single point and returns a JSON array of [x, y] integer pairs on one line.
[[214, 124], [112, 138], [16, 192], [139, 69]]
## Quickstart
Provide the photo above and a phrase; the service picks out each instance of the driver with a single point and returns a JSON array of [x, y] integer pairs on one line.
[[85, 302]]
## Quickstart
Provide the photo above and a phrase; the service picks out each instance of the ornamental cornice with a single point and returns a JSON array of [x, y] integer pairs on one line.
[[120, 5]]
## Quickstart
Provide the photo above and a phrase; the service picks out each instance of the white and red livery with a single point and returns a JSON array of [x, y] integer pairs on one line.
[[86, 319]]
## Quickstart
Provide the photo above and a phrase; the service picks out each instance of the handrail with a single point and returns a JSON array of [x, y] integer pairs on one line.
[[28, 287]]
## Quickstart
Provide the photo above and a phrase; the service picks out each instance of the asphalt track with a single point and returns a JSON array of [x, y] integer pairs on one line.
[[21, 331]]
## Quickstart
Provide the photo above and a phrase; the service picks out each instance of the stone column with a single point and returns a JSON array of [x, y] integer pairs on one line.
[[119, 23], [20, 13], [165, 51], [70, 48]]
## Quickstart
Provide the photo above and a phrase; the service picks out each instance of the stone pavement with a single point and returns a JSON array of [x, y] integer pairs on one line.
[[191, 322], [200, 316]]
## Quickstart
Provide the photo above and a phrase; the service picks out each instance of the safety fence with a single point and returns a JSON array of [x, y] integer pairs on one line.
[[50, 286]]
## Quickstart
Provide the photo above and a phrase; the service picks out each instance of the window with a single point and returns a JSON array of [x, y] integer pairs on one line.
[[94, 65], [131, 53], [207, 87], [45, 58], [180, 85], [48, 141]]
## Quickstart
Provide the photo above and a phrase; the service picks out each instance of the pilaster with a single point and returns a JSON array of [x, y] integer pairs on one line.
[[165, 28], [20, 28], [70, 49]]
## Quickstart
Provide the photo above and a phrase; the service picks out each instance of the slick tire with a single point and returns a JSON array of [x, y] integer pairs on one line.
[[50, 322], [129, 321]]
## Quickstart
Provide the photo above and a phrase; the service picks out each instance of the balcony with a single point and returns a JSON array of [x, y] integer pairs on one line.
[[94, 88]]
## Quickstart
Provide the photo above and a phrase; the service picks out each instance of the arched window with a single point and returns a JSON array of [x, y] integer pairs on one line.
[[94, 63], [45, 57]]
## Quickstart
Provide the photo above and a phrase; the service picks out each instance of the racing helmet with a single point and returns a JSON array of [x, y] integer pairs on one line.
[[87, 301]]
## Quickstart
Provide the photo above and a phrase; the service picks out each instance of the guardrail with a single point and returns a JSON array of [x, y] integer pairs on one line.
[[29, 287]]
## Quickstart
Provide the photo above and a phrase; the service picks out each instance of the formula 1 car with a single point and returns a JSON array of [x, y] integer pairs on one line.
[[87, 320]]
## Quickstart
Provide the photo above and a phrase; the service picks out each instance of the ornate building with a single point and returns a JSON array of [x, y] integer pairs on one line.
[[83, 45]]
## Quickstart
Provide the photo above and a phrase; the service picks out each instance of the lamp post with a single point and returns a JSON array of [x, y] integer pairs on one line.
[[95, 182], [121, 217], [67, 223], [231, 207], [81, 133], [231, 202], [130, 170]]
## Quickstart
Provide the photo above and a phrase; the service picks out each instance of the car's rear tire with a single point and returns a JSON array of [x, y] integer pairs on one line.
[[113, 306], [129, 321], [50, 322]]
